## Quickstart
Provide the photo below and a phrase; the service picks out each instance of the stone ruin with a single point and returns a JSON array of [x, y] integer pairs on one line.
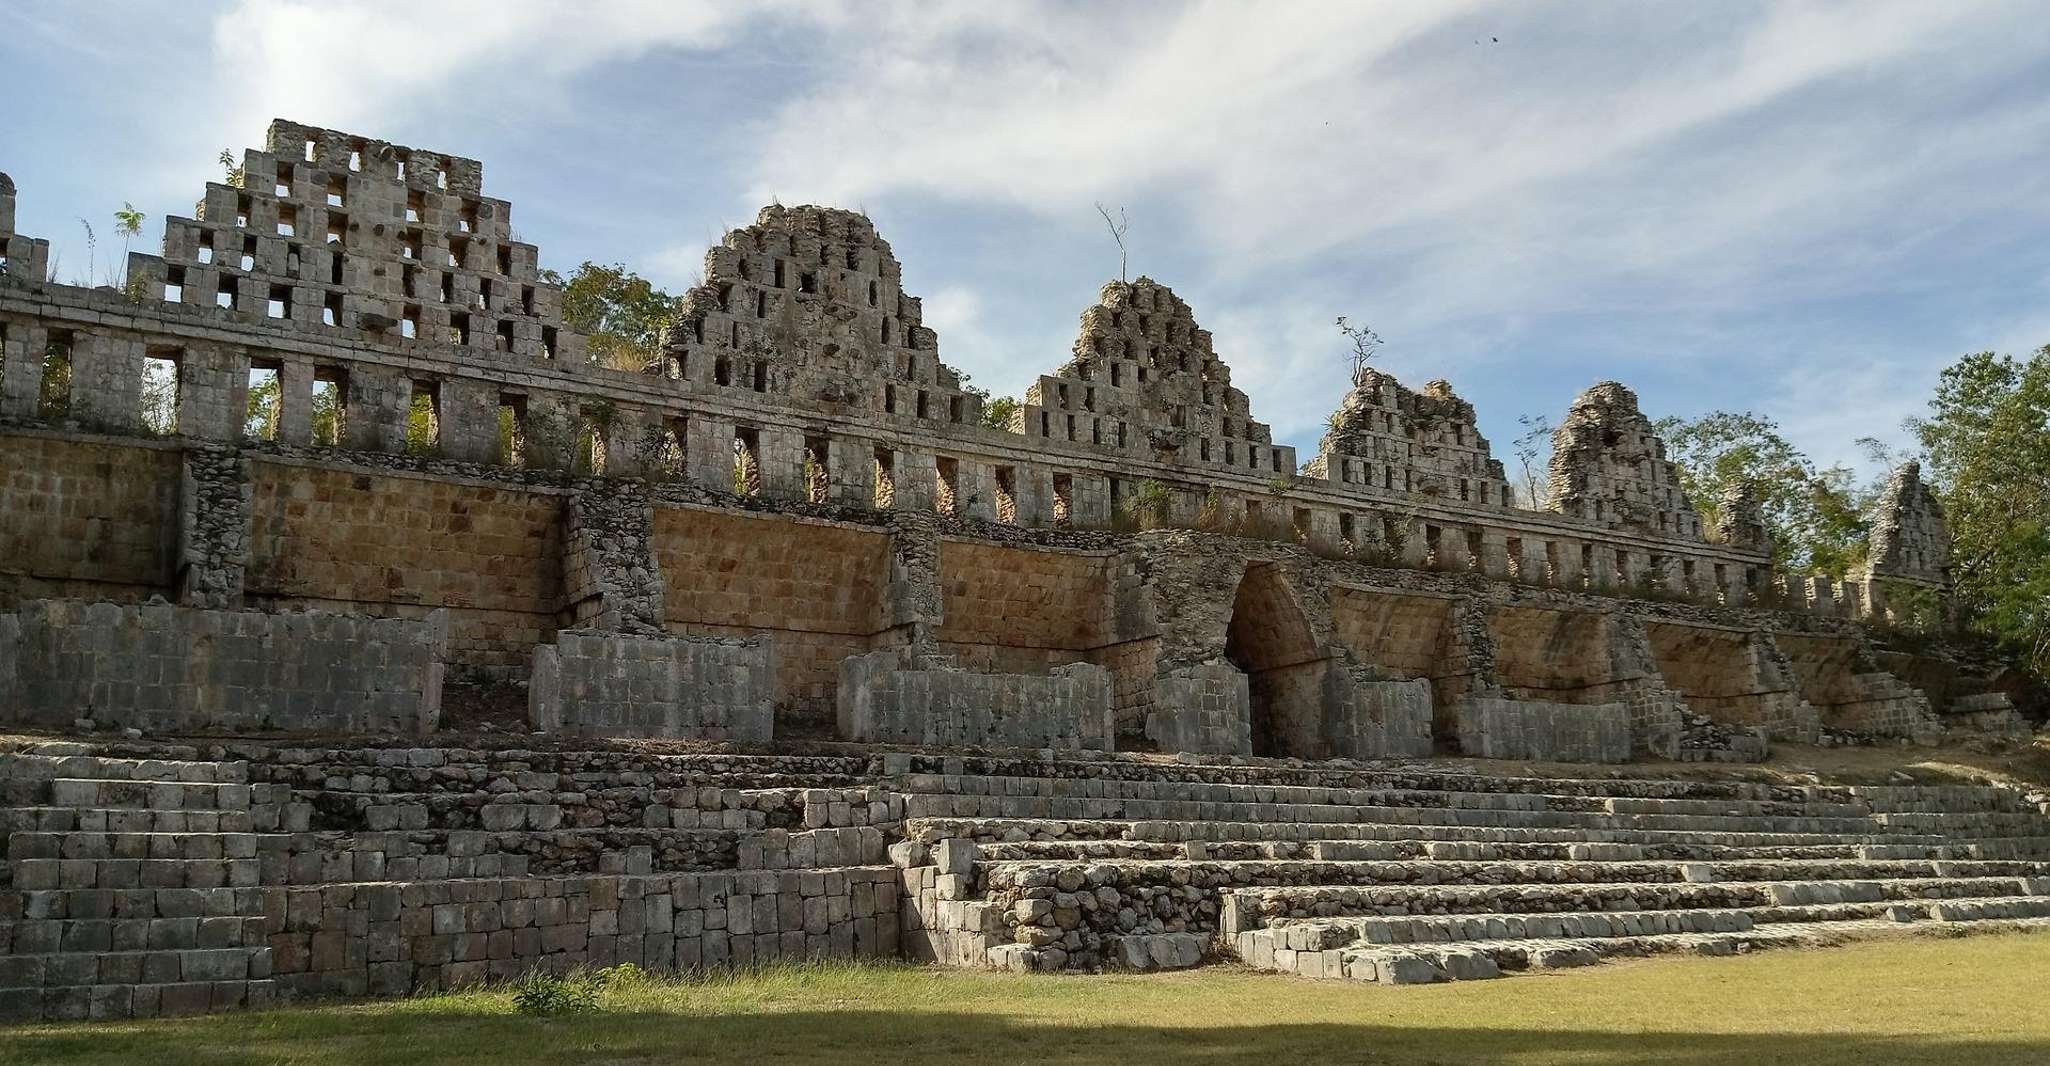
[[1121, 684]]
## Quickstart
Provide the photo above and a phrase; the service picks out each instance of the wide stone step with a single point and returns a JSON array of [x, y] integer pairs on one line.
[[82, 844], [1072, 809], [155, 967], [133, 903], [138, 1000], [964, 774], [25, 767], [1472, 960], [46, 936], [1482, 793], [98, 794], [1401, 900], [48, 819], [1661, 844], [1184, 830], [35, 874]]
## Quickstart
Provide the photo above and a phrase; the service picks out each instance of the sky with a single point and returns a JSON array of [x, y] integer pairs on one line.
[[1804, 210]]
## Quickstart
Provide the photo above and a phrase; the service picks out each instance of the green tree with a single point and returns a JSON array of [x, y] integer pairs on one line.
[[260, 420], [1815, 517], [623, 315], [1987, 439], [996, 410]]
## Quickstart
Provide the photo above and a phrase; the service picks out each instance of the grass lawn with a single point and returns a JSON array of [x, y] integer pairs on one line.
[[1978, 1000]]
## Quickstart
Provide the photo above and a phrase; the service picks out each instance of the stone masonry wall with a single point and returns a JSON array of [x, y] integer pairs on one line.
[[163, 668], [91, 519], [599, 684], [402, 546], [816, 589], [1558, 732], [394, 938], [1204, 709], [913, 696]]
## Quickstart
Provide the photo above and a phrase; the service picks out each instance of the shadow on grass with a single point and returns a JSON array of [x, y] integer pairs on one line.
[[443, 1036]]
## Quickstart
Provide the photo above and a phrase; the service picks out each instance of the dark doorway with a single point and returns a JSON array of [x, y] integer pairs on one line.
[[1270, 640]]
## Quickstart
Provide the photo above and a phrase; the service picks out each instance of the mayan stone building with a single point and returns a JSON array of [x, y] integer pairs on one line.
[[933, 666]]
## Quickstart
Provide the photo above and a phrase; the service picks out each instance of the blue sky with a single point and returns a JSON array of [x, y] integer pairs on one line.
[[1803, 209]]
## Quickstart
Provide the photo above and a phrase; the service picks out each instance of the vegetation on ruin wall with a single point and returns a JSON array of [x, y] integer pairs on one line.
[[1986, 453], [1818, 518], [622, 313], [1971, 1001]]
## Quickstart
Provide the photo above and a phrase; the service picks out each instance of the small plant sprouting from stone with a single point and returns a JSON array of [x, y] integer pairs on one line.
[[231, 173], [1365, 342], [128, 223], [1118, 226]]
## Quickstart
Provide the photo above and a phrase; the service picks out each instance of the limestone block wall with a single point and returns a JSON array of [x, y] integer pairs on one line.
[[599, 684], [912, 696], [163, 668], [86, 518], [816, 589], [393, 544], [1020, 609], [393, 938], [1379, 719], [1204, 709], [1493, 728]]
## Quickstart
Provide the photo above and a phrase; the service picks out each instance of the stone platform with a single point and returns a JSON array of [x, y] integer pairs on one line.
[[148, 878]]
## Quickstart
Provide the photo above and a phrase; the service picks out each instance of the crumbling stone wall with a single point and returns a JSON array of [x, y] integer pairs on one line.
[[213, 528], [1426, 443], [598, 684], [914, 695], [1733, 677], [1145, 381], [1837, 674], [163, 668], [1609, 467]]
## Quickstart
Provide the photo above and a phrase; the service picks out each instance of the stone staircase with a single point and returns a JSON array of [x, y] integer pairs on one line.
[[132, 887], [1409, 876]]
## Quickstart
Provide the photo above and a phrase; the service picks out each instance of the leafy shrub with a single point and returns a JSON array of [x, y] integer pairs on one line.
[[547, 995]]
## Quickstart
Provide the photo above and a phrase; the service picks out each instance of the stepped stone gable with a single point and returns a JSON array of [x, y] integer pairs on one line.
[[1609, 467], [1910, 539], [329, 230], [808, 305], [1144, 380], [1390, 437]]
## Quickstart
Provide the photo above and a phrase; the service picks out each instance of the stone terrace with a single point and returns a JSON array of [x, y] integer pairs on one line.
[[146, 879]]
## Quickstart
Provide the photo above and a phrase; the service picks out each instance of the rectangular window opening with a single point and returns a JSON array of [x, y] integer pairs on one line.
[[330, 406], [946, 491], [747, 462], [818, 480], [886, 479], [1063, 500], [1007, 495], [263, 401], [159, 392], [331, 310], [279, 305], [174, 285], [512, 430], [423, 419]]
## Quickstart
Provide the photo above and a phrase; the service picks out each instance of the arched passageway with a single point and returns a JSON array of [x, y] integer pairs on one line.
[[1270, 639]]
